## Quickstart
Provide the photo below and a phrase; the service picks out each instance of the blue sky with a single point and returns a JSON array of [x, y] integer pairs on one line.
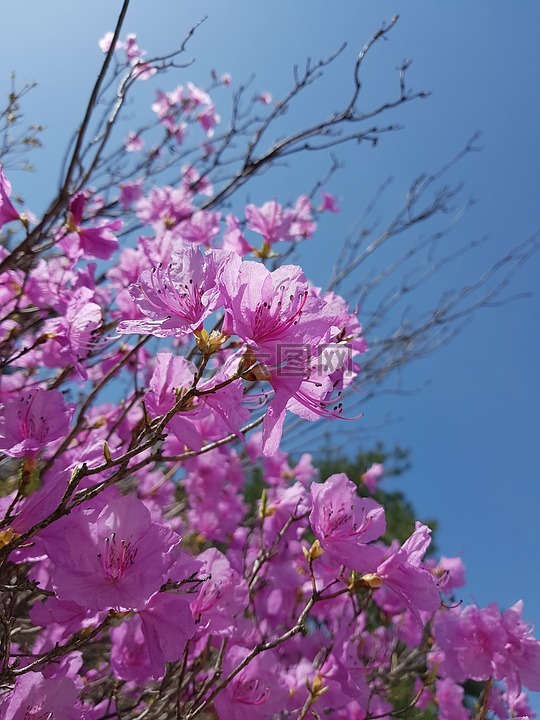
[[473, 430]]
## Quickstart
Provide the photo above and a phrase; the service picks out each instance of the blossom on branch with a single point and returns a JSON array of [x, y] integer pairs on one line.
[[30, 422], [345, 524], [7, 210], [116, 557], [177, 298], [99, 242]]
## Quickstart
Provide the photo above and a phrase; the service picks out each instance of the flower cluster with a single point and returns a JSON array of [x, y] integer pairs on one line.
[[159, 555]]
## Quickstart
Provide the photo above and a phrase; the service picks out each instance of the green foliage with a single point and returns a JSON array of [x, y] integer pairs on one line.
[[254, 486], [404, 700]]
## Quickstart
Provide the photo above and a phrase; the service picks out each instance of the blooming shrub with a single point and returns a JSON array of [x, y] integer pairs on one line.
[[139, 579]]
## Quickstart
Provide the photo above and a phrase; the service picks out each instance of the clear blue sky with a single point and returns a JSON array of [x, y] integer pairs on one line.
[[474, 431]]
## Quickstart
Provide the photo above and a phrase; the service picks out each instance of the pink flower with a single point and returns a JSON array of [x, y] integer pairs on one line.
[[167, 624], [130, 193], [66, 618], [345, 523], [405, 574], [222, 597], [347, 324], [201, 227], [283, 322], [302, 225], [133, 51], [116, 558], [372, 476], [452, 571], [7, 211], [471, 639], [11, 285], [450, 700], [32, 509], [133, 142], [255, 692], [165, 207], [221, 411], [285, 388], [329, 203], [165, 102], [143, 70], [214, 487], [29, 423], [100, 242], [72, 333], [176, 299], [105, 42], [518, 704], [216, 517], [282, 504], [129, 657], [35, 696], [522, 653], [275, 313], [196, 96], [233, 237], [270, 221], [196, 183], [208, 118], [172, 373]]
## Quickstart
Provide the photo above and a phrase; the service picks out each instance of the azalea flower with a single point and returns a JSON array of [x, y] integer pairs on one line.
[[116, 557], [30, 422], [167, 624], [329, 203], [218, 606], [372, 476], [7, 211], [275, 313], [35, 696], [270, 221], [176, 299], [133, 142], [255, 692], [284, 324], [233, 237], [345, 523], [404, 573], [99, 242], [71, 334]]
